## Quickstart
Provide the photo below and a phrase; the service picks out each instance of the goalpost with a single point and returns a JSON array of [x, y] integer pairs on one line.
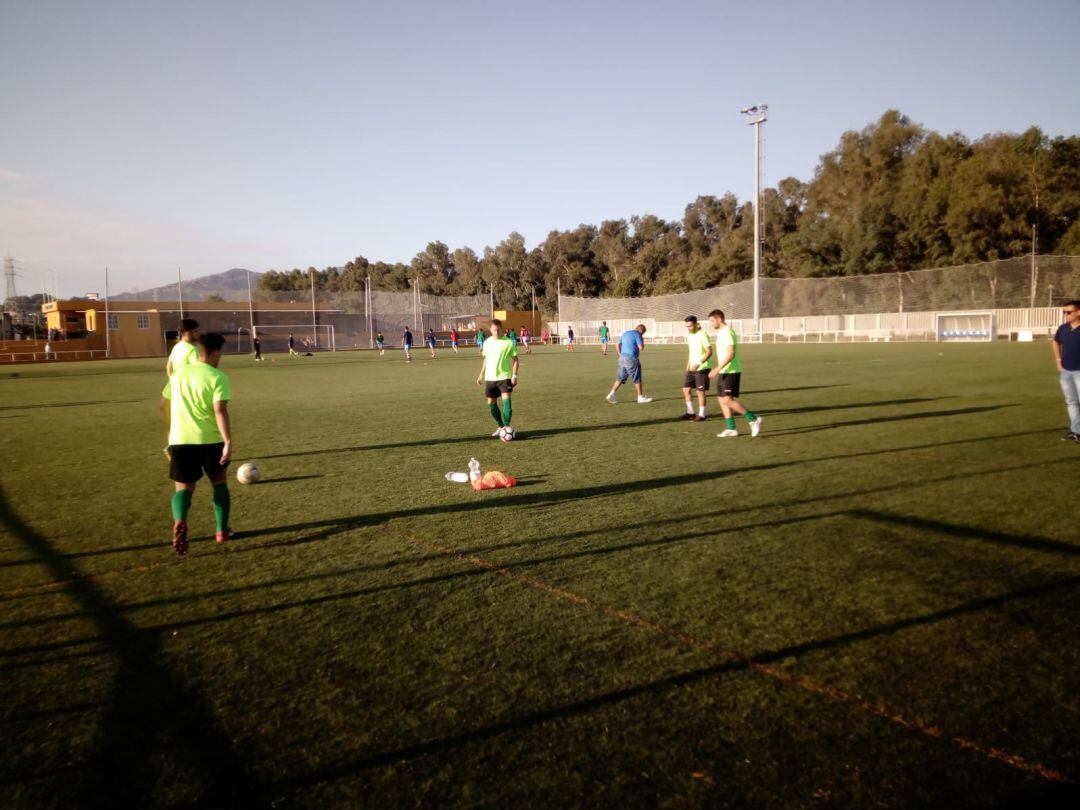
[[965, 326], [307, 338]]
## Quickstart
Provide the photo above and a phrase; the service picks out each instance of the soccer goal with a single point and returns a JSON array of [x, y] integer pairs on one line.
[[966, 326], [306, 338]]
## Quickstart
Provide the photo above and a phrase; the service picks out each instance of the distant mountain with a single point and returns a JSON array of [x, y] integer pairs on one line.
[[230, 285]]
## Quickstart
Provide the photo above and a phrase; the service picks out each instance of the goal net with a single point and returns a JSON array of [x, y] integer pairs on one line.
[[275, 338], [965, 326]]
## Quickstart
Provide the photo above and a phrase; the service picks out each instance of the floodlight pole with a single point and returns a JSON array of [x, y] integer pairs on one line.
[[367, 309], [314, 329], [758, 115], [108, 354], [251, 314]]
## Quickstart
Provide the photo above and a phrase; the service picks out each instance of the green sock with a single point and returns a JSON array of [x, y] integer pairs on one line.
[[507, 410], [181, 503], [494, 408], [222, 502], [749, 416], [730, 421]]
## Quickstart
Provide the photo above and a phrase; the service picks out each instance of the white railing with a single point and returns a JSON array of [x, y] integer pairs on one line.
[[41, 357]]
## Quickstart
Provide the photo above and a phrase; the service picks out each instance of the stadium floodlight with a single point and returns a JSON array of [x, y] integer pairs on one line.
[[758, 115]]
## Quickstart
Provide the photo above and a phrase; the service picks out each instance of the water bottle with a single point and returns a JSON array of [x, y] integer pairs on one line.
[[457, 477], [474, 470]]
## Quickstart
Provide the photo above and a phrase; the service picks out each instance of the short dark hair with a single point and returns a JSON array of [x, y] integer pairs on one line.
[[717, 313], [496, 322], [1074, 304], [690, 319], [641, 328], [210, 342], [188, 325]]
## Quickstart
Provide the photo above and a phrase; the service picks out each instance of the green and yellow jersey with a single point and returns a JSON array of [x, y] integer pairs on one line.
[[192, 391], [698, 344], [499, 354], [182, 354], [726, 337]]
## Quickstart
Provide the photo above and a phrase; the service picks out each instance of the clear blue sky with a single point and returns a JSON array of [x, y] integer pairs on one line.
[[150, 135]]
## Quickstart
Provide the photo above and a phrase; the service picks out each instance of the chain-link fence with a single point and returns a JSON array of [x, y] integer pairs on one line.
[[320, 322], [998, 285]]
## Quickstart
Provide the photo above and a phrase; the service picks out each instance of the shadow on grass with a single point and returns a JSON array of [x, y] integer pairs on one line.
[[734, 663], [30, 717], [846, 406], [755, 391], [69, 404], [329, 528], [1022, 541], [54, 660], [151, 712], [1025, 541], [543, 433], [906, 417], [591, 553], [287, 479], [524, 435]]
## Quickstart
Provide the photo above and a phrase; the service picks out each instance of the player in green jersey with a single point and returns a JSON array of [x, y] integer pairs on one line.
[[698, 364], [728, 373], [498, 374], [184, 351], [605, 336], [195, 403]]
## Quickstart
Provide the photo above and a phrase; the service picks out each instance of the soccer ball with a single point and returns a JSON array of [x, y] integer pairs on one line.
[[507, 434], [247, 473]]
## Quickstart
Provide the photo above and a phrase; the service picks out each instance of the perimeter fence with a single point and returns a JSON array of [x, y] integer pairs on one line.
[[904, 305], [320, 322]]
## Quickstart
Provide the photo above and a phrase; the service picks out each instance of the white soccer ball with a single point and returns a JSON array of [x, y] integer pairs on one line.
[[507, 434], [247, 473]]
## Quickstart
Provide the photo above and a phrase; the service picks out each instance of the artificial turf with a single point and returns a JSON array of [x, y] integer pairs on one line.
[[870, 604]]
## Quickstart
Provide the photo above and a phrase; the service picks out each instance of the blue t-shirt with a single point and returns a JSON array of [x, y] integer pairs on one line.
[[1069, 340], [407, 338], [631, 344]]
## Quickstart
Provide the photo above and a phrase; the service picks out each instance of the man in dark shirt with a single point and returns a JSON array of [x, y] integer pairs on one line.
[[1067, 354]]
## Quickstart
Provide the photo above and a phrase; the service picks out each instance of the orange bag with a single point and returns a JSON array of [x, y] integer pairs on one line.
[[493, 479]]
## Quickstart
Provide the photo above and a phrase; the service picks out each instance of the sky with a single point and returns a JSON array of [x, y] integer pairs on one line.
[[154, 135]]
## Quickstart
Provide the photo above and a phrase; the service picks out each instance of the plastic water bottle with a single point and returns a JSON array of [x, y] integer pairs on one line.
[[474, 470], [458, 477]]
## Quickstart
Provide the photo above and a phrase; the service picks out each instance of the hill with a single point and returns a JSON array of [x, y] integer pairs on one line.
[[230, 285]]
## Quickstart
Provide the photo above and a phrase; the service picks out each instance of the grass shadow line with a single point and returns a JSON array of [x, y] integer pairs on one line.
[[1025, 541], [69, 404], [147, 700], [904, 417], [734, 663]]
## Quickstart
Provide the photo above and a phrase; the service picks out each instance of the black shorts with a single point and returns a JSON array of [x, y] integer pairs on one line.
[[727, 385], [187, 461], [697, 379], [493, 389]]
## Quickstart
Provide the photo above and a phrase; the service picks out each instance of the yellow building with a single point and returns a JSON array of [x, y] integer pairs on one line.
[[515, 319], [149, 328]]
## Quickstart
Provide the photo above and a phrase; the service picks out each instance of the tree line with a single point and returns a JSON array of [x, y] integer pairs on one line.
[[890, 197]]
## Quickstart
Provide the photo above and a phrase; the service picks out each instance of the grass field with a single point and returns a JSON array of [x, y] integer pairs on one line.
[[873, 604]]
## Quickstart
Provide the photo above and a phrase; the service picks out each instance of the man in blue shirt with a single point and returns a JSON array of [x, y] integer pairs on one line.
[[629, 368], [1067, 354]]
